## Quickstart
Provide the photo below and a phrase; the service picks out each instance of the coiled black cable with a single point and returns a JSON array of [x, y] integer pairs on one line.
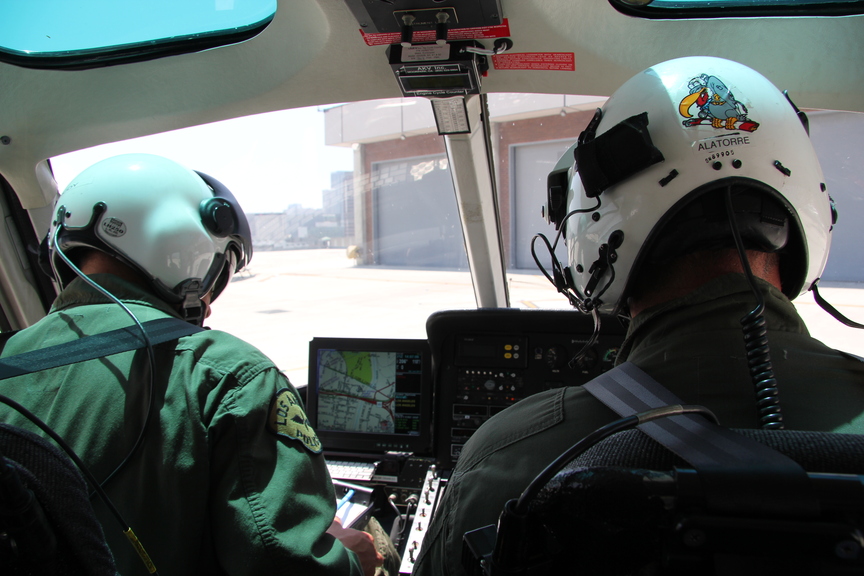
[[755, 332], [761, 371]]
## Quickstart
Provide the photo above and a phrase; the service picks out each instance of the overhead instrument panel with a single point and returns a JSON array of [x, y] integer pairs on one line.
[[375, 16], [432, 47]]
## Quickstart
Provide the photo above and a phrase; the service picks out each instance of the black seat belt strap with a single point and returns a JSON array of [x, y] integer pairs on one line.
[[727, 461], [96, 346]]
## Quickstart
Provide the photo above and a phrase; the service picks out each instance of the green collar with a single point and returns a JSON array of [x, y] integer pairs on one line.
[[716, 305], [79, 293]]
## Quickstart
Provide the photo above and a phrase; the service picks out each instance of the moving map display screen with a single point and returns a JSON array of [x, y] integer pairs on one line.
[[370, 395]]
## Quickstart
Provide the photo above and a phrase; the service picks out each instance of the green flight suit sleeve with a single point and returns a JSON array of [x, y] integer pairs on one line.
[[272, 498]]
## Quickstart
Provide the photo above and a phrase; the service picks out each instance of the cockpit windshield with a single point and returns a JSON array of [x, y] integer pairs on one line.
[[356, 226], [61, 34]]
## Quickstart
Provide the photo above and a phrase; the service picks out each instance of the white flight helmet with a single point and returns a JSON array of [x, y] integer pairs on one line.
[[654, 157], [182, 229]]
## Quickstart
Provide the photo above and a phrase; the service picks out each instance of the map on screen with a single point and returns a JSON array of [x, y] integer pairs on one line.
[[373, 392]]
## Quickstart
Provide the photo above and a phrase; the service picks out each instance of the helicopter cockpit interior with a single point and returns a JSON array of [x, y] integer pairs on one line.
[[407, 169]]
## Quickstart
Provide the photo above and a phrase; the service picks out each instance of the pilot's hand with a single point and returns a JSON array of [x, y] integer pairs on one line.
[[361, 543]]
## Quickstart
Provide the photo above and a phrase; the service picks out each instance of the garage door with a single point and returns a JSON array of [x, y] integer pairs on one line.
[[837, 137], [531, 164], [416, 216]]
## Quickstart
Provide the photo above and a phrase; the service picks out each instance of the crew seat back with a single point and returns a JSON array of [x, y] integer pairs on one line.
[[628, 505], [58, 534]]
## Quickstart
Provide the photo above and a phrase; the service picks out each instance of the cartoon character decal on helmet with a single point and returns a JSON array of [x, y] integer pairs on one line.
[[717, 105], [668, 139]]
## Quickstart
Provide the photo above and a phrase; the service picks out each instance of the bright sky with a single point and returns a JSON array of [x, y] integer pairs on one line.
[[269, 161]]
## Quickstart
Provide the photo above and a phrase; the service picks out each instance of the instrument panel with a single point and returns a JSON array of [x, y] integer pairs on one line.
[[486, 360]]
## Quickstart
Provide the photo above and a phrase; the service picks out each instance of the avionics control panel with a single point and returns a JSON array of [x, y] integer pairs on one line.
[[487, 360], [428, 499]]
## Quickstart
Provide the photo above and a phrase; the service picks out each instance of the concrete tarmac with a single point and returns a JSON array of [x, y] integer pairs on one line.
[[286, 298]]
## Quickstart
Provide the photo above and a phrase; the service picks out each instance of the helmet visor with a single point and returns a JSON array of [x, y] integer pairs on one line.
[[229, 265]]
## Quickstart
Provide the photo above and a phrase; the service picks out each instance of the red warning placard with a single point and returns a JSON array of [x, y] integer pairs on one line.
[[565, 61], [478, 33]]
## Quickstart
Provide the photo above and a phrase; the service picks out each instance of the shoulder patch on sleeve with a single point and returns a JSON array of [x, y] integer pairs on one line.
[[288, 419]]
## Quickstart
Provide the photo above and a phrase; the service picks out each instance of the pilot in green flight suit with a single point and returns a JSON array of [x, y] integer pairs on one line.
[[654, 205], [229, 476]]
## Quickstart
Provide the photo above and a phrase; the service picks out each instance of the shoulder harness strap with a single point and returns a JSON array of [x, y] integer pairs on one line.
[[737, 471], [93, 346]]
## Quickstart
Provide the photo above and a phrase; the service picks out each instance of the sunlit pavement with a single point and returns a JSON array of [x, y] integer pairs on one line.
[[286, 298]]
